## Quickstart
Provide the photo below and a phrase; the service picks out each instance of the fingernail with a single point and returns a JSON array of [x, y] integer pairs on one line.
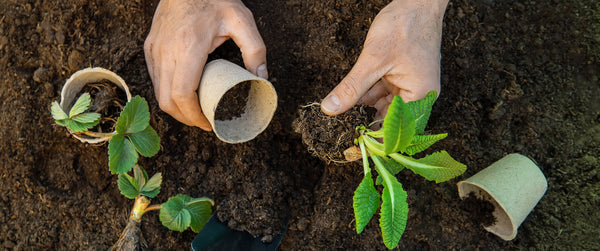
[[331, 103], [261, 71]]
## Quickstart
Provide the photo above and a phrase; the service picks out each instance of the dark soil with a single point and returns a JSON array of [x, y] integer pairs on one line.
[[517, 76], [481, 210], [327, 137], [233, 103], [107, 100]]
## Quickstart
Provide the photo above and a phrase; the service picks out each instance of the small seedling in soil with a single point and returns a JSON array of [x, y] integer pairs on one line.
[[402, 134], [132, 132], [179, 213]]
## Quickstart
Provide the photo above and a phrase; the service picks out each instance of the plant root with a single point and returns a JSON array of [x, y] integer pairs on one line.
[[131, 238]]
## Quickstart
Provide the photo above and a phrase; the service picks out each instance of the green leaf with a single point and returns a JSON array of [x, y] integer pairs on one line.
[[152, 187], [392, 166], [182, 211], [87, 118], [365, 202], [146, 141], [61, 122], [200, 210], [174, 215], [394, 208], [138, 175], [128, 186], [135, 117], [121, 154], [57, 112], [438, 166], [422, 142], [83, 103], [421, 109], [398, 127], [78, 127]]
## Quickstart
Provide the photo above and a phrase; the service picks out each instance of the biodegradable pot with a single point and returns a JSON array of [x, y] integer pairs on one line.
[[77, 81], [514, 184], [220, 76]]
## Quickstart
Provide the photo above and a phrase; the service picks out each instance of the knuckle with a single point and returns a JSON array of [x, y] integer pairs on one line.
[[166, 105], [349, 86]]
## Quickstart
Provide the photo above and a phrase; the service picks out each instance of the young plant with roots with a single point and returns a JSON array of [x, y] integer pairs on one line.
[[402, 134], [179, 213], [133, 134]]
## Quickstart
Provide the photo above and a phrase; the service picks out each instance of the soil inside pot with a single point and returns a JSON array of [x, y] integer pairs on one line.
[[108, 100], [327, 137], [233, 103], [481, 210]]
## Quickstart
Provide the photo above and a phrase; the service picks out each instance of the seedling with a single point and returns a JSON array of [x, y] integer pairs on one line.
[[402, 134], [179, 213], [133, 133]]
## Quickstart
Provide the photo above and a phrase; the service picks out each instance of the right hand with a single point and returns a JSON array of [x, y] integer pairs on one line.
[[182, 35]]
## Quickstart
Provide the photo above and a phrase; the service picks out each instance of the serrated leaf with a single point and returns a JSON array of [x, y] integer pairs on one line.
[[57, 112], [398, 127], [146, 141], [182, 211], [152, 186], [392, 166], [422, 142], [439, 166], [174, 215], [83, 103], [421, 110], [365, 202], [135, 117], [200, 210], [78, 127], [88, 118], [121, 154], [394, 208], [127, 186], [139, 177]]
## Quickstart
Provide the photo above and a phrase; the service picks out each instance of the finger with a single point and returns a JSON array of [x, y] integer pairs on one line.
[[382, 106], [163, 93], [376, 92], [148, 56], [242, 29], [363, 75], [186, 78]]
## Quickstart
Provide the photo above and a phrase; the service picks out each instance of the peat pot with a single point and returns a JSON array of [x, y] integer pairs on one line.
[[221, 76], [75, 84], [514, 184]]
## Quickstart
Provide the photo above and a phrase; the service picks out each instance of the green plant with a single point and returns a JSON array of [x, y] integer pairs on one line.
[[133, 133], [402, 132], [179, 213]]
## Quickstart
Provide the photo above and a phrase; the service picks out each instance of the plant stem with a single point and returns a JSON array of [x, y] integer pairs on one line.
[[139, 208], [365, 159], [100, 134], [153, 207]]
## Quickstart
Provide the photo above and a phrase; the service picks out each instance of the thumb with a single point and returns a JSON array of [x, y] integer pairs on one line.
[[365, 73]]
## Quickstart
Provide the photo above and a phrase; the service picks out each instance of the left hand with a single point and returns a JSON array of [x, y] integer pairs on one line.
[[401, 56]]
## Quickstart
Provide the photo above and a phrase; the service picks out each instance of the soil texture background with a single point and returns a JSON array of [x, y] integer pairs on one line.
[[517, 77]]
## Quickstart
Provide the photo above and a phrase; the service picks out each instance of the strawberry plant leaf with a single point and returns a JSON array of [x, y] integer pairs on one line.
[[78, 127], [121, 154], [422, 142], [83, 103], [139, 176], [57, 112], [200, 209], [87, 118], [174, 215], [398, 127], [394, 208], [146, 142], [128, 186], [439, 166], [152, 187], [421, 109], [135, 117], [365, 202]]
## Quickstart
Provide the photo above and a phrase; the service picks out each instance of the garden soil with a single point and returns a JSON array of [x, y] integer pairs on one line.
[[517, 77]]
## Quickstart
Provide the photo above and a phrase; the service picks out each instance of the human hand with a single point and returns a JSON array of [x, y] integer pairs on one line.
[[183, 33], [400, 56]]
